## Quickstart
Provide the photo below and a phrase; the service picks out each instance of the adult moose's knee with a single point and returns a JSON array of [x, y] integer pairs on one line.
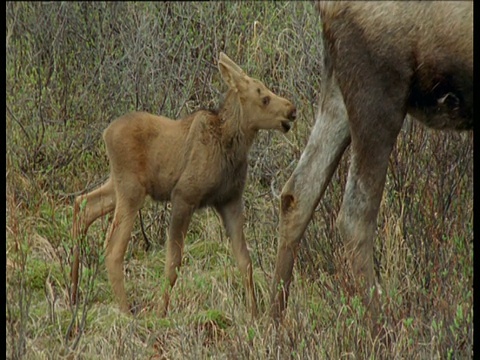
[[297, 202], [287, 201], [295, 212], [288, 198]]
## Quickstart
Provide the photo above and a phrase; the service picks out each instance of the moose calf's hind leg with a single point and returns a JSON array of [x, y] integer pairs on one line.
[[116, 245], [88, 208]]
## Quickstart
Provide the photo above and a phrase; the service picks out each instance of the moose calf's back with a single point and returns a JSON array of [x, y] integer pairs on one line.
[[148, 147], [158, 152]]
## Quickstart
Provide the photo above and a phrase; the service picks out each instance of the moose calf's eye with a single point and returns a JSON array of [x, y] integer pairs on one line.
[[266, 100]]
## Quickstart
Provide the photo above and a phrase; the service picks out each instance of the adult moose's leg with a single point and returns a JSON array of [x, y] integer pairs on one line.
[[129, 200], [304, 189], [356, 220], [179, 221], [374, 77], [233, 220], [374, 129], [88, 208]]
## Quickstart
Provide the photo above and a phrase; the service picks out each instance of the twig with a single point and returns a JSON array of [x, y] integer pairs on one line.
[[145, 237]]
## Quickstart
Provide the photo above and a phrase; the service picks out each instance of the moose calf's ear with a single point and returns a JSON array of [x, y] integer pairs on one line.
[[226, 60], [232, 78]]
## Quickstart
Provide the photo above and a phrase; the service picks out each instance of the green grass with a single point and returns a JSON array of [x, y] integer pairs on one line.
[[71, 68]]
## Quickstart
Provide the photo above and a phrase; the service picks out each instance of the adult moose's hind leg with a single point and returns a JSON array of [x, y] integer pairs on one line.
[[180, 219], [373, 137], [375, 89], [305, 187], [88, 208], [356, 220], [233, 220]]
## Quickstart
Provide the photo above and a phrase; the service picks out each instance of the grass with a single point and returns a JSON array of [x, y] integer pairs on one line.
[[71, 68]]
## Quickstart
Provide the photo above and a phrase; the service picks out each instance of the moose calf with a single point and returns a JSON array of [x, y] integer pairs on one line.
[[200, 160]]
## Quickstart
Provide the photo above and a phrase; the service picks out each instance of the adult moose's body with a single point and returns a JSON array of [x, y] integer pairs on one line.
[[382, 60]]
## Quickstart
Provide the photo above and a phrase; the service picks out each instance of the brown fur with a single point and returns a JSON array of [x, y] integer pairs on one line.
[[197, 161], [382, 61]]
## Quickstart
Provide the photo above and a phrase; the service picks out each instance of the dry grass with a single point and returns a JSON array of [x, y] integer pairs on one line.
[[73, 67]]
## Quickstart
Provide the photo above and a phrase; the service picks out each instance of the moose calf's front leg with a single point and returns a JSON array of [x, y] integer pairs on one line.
[[233, 220], [180, 219]]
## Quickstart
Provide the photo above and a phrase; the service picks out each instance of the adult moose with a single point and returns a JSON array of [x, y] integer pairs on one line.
[[382, 60], [194, 162]]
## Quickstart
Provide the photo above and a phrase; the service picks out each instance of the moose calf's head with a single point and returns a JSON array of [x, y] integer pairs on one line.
[[260, 107]]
